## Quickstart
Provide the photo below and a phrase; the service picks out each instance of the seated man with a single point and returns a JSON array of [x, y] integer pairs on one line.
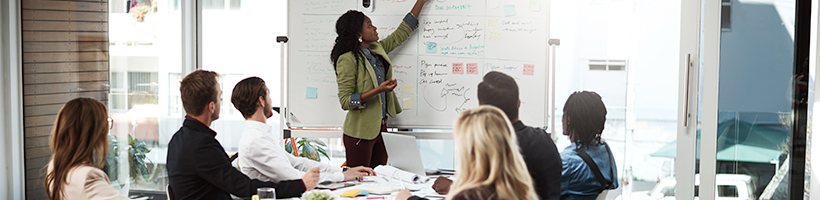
[[197, 165], [261, 155]]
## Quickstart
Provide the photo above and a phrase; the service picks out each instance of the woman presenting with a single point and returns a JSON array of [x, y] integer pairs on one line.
[[364, 75]]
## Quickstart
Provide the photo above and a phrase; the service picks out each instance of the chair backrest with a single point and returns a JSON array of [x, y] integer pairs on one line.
[[169, 192]]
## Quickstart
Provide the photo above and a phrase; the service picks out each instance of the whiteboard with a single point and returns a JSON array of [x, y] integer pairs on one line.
[[438, 68]]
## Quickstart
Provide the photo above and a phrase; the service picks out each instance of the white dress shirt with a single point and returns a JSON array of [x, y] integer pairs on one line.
[[261, 157]]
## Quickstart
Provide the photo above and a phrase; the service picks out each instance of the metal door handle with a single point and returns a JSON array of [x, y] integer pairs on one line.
[[687, 64]]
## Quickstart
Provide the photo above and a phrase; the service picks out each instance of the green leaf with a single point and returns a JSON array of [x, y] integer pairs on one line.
[[324, 152], [317, 141], [288, 147], [311, 152]]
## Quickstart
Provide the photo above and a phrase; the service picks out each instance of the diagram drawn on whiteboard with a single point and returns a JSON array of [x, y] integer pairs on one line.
[[450, 96]]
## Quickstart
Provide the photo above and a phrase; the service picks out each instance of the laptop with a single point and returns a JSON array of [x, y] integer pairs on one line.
[[403, 152]]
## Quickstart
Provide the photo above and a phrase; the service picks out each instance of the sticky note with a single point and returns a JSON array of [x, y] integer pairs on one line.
[[509, 10], [535, 5], [408, 88], [472, 68], [492, 23], [458, 68], [350, 193], [311, 92], [407, 103], [430, 47], [495, 36], [529, 69]]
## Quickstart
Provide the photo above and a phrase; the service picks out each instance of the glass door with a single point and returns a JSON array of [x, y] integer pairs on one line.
[[740, 101], [626, 51]]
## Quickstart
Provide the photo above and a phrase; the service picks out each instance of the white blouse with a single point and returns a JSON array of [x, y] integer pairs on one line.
[[87, 182]]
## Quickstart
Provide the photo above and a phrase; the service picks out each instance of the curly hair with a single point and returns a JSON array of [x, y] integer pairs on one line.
[[586, 114], [348, 27]]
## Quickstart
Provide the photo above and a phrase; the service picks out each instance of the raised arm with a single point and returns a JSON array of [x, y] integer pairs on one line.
[[408, 25], [417, 8]]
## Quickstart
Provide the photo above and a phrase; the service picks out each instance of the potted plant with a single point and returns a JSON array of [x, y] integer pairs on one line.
[[137, 160], [310, 148]]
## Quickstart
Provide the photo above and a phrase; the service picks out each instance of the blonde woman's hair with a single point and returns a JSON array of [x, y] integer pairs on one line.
[[488, 155], [79, 137]]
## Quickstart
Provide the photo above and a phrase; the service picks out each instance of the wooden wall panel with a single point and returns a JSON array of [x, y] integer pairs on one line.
[[65, 56], [69, 16], [57, 88], [42, 36], [35, 47], [38, 131], [64, 77], [65, 26], [65, 5], [45, 120], [62, 98], [35, 68]]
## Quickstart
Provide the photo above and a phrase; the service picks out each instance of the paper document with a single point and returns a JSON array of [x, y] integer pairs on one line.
[[401, 175]]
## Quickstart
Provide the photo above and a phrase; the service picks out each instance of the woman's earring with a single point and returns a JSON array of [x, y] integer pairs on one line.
[[360, 39]]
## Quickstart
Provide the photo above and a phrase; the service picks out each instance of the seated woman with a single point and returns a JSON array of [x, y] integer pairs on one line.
[[490, 165], [583, 122], [79, 144]]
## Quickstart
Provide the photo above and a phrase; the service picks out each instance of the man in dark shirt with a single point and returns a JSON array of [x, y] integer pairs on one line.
[[198, 167], [537, 147]]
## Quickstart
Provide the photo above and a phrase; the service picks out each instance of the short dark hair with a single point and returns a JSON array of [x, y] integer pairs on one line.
[[586, 114], [198, 89], [499, 90], [246, 95]]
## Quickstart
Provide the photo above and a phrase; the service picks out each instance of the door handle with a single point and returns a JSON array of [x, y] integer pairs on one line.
[[688, 65]]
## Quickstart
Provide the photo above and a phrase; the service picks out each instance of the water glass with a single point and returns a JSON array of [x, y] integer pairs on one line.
[[266, 193]]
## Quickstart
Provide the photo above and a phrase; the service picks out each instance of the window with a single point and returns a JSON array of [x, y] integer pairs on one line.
[[607, 65], [727, 191], [226, 4], [145, 67]]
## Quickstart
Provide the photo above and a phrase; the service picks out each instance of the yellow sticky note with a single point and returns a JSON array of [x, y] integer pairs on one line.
[[495, 36], [408, 103], [351, 193], [492, 23], [535, 5], [408, 89]]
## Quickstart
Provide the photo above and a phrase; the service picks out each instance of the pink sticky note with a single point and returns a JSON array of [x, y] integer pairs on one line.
[[472, 68], [458, 68], [529, 69]]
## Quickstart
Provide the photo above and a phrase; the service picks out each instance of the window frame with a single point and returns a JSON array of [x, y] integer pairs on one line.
[[13, 186]]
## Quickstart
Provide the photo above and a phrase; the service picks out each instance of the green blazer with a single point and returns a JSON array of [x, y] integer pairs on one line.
[[354, 75]]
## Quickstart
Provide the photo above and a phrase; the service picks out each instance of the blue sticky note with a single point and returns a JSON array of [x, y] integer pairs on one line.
[[509, 10], [311, 92], [430, 47]]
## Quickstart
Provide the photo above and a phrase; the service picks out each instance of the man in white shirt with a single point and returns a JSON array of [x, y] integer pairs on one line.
[[260, 156]]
